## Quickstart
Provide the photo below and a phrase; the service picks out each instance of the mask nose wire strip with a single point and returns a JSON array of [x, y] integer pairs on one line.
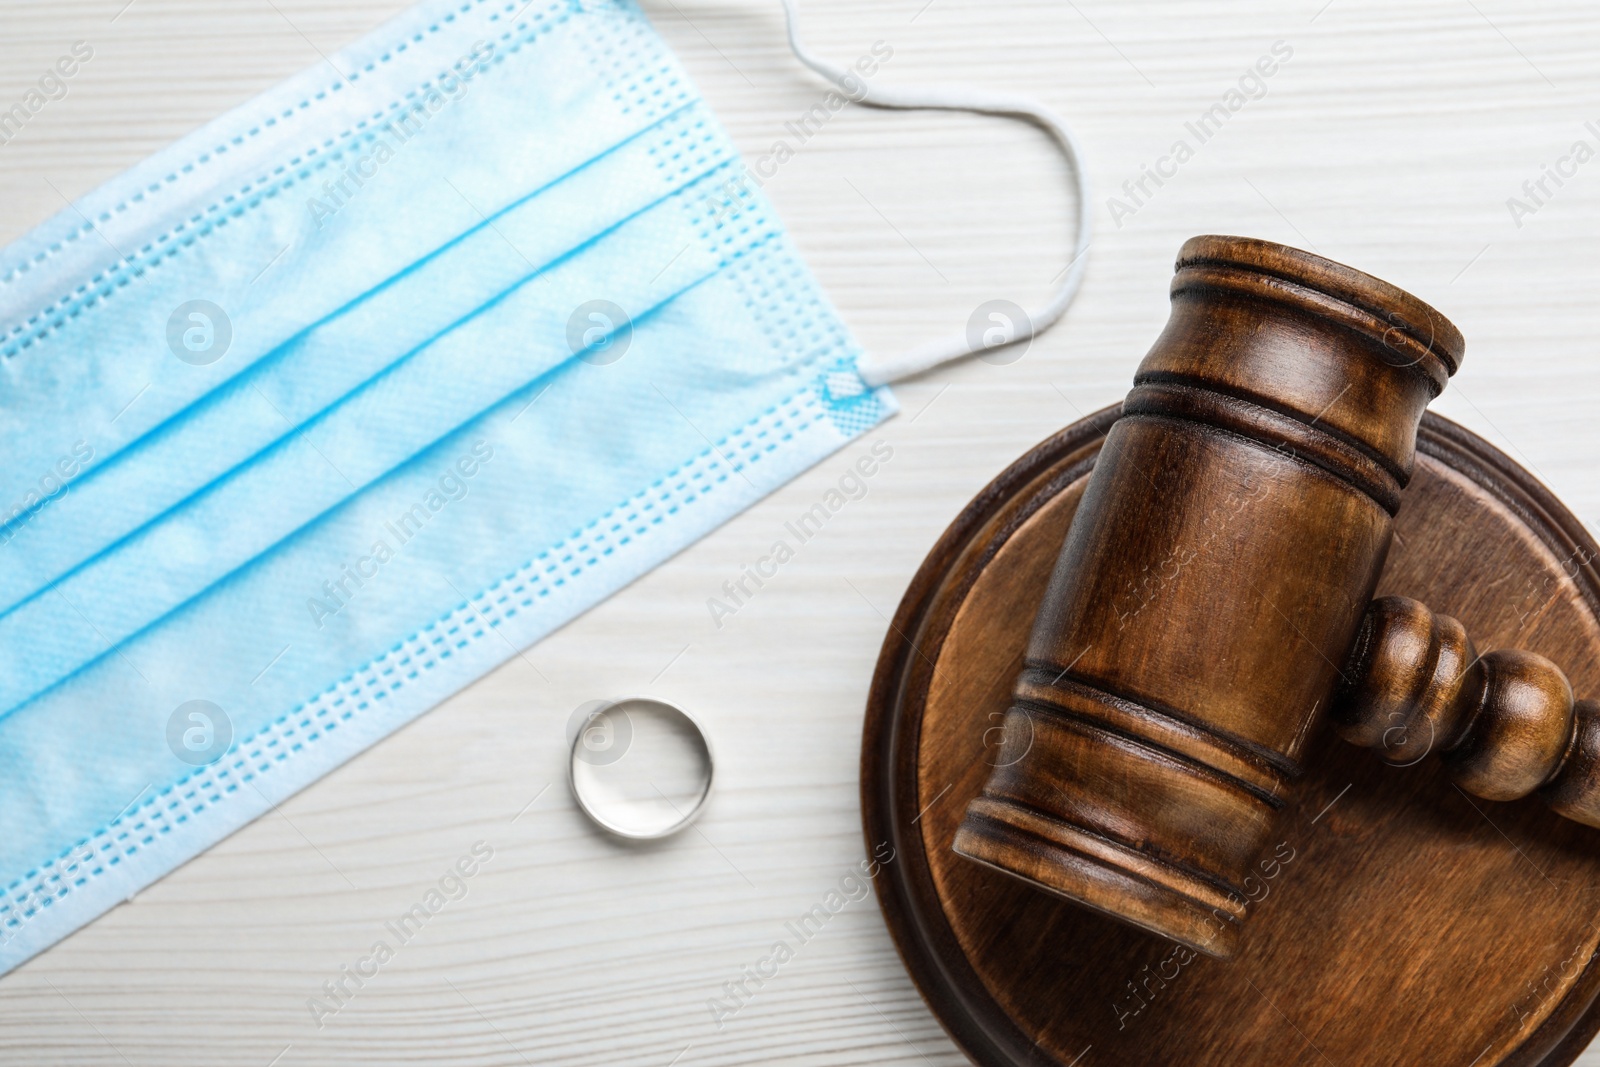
[[881, 371]]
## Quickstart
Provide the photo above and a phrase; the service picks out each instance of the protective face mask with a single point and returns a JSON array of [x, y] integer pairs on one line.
[[324, 412]]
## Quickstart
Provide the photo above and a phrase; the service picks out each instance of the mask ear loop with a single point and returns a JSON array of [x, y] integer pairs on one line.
[[934, 353]]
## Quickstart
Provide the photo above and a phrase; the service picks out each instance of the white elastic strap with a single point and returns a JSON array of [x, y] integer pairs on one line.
[[934, 353]]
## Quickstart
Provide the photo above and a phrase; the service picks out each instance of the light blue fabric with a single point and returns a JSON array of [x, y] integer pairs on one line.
[[401, 467]]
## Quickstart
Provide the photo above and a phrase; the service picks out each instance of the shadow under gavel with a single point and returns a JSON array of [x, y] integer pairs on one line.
[[1213, 601]]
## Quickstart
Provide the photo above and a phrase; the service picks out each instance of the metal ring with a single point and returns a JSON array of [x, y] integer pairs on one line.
[[575, 756]]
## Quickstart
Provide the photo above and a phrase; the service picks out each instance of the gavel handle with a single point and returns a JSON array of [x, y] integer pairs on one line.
[[1505, 722]]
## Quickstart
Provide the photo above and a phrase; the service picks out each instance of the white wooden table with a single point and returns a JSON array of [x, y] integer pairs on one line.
[[1390, 140]]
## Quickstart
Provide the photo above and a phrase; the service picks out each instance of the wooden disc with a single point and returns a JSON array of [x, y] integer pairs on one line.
[[1400, 921]]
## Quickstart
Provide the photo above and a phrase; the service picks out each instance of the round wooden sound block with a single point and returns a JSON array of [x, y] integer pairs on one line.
[[1399, 921]]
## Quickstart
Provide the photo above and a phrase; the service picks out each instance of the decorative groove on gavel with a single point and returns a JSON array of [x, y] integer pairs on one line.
[[1505, 722]]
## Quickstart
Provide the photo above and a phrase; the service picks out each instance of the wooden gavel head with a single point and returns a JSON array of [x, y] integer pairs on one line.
[[1213, 601]]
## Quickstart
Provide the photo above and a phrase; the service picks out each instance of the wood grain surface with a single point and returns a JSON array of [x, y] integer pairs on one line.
[[1390, 140]]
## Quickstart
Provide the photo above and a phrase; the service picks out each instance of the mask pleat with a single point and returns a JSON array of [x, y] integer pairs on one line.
[[307, 376], [103, 365], [374, 429]]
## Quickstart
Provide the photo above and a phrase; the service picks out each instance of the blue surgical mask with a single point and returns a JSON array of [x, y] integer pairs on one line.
[[319, 415]]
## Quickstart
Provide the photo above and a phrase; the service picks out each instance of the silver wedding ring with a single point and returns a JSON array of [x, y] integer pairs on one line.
[[640, 768]]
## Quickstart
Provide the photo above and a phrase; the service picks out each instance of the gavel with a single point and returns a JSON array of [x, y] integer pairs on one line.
[[1212, 604]]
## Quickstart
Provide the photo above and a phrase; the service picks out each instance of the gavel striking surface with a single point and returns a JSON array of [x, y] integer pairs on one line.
[[1400, 921]]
